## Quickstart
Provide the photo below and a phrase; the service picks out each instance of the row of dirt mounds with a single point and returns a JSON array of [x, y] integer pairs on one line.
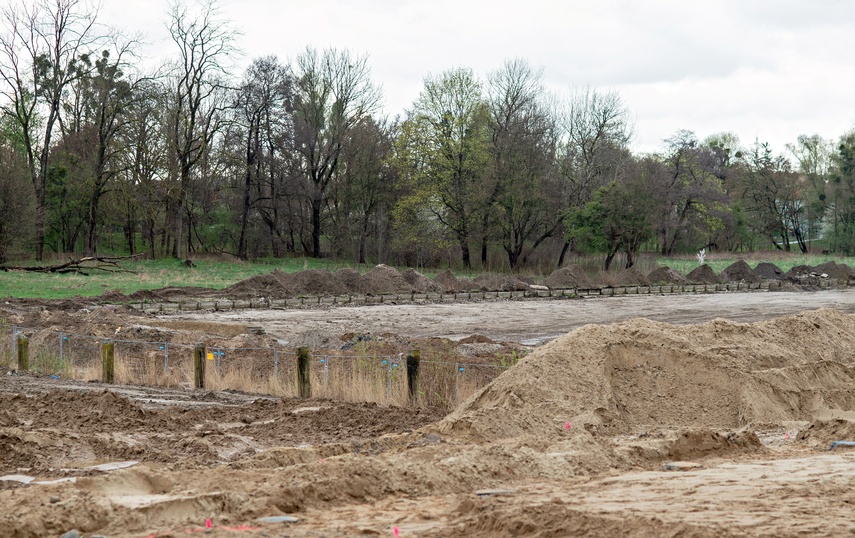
[[639, 374], [738, 271], [574, 277], [383, 279]]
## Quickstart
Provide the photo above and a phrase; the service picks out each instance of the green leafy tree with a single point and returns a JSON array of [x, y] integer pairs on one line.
[[443, 151], [842, 196], [596, 132], [618, 218], [44, 48], [692, 194]]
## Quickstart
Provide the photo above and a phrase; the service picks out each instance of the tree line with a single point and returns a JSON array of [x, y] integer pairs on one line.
[[296, 157]]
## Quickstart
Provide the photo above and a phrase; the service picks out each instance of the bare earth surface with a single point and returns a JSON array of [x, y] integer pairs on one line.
[[530, 321], [695, 415]]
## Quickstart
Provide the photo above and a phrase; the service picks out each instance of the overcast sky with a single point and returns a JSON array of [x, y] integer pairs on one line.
[[765, 69]]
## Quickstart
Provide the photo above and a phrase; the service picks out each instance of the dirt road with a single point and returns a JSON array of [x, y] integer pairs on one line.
[[530, 322]]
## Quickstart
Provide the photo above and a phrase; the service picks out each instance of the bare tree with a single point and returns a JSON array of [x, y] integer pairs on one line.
[[691, 194], [333, 94], [773, 196], [524, 138], [263, 106], [364, 186], [197, 94], [44, 47]]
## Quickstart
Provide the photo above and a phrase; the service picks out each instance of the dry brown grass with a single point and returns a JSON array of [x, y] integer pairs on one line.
[[364, 376]]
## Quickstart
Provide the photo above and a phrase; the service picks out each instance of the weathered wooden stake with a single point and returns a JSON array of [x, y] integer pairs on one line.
[[23, 353], [304, 382], [200, 355], [413, 359], [107, 354]]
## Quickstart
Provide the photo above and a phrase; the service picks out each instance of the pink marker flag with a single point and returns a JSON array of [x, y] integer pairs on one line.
[[787, 435], [567, 425], [208, 523], [395, 530]]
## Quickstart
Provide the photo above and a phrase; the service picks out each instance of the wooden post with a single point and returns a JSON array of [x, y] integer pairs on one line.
[[413, 359], [107, 354], [304, 382], [200, 355], [23, 352]]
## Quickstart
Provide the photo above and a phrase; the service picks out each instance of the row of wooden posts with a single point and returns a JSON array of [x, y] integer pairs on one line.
[[304, 380]]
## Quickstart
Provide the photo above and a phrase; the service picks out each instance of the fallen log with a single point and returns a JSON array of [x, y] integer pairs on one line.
[[108, 264]]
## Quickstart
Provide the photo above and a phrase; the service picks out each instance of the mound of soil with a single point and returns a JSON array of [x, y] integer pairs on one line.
[[571, 276], [500, 283], [476, 339], [171, 292], [467, 284], [384, 279], [697, 443], [631, 277], [350, 280], [798, 272], [272, 284], [702, 274], [739, 271], [665, 275], [447, 281], [419, 282], [316, 282], [825, 432], [639, 373], [768, 271], [840, 271]]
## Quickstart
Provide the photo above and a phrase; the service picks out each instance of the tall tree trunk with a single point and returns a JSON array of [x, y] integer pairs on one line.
[[609, 259], [89, 247], [247, 191], [563, 254], [316, 227], [177, 246], [363, 235], [41, 210], [463, 239]]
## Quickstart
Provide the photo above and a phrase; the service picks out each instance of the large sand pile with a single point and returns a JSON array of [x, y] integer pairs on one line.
[[639, 374]]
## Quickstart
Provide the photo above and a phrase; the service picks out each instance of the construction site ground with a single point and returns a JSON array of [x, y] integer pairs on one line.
[[682, 415]]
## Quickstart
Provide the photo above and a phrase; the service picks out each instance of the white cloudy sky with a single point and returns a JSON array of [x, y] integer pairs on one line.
[[765, 69]]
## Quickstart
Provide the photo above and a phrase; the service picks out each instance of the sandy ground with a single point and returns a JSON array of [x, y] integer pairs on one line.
[[529, 322], [580, 439]]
